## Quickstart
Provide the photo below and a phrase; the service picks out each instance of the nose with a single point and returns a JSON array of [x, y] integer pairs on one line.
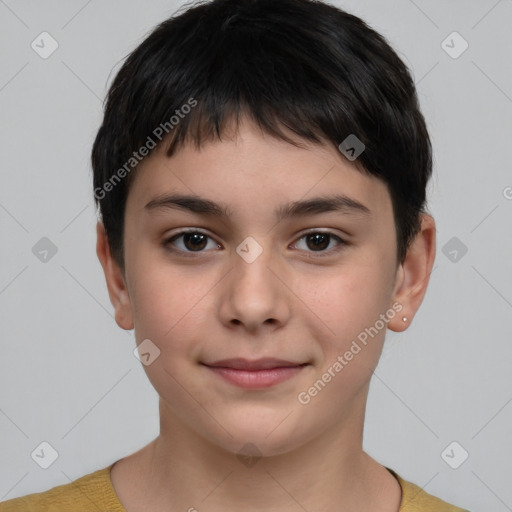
[[254, 294]]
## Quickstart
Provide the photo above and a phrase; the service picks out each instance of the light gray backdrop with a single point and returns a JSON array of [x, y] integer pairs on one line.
[[68, 376]]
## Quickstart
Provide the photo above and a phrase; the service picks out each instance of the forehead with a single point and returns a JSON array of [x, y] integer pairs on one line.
[[252, 173]]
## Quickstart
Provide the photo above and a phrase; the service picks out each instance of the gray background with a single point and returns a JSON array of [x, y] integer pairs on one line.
[[67, 372]]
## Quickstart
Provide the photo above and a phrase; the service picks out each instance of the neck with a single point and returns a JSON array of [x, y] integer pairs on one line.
[[181, 470]]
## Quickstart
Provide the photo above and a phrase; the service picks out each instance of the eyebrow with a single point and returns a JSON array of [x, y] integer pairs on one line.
[[315, 206]]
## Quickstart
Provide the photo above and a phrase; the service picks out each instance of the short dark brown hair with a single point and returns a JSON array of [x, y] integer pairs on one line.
[[320, 72]]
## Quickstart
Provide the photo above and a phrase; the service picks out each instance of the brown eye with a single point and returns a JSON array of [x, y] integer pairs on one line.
[[189, 241], [194, 241], [320, 241]]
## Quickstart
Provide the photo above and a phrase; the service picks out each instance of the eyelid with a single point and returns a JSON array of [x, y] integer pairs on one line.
[[167, 243], [319, 254]]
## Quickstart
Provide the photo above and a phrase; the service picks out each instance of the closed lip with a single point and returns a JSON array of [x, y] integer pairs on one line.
[[253, 365]]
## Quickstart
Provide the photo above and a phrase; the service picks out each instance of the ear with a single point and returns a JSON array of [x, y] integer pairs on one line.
[[413, 274], [114, 276]]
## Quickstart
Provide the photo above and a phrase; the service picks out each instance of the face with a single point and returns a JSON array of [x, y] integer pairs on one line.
[[266, 278]]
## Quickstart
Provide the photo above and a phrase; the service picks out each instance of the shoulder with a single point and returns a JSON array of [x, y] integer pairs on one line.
[[415, 499], [89, 493]]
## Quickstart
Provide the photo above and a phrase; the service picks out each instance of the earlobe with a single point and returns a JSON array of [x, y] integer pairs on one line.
[[115, 280], [414, 273]]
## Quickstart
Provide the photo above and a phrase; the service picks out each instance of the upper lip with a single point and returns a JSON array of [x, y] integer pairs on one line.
[[256, 364]]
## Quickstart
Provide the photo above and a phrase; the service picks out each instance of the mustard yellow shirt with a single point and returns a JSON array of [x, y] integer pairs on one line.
[[94, 493]]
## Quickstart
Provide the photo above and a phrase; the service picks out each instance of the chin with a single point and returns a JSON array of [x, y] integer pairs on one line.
[[266, 437]]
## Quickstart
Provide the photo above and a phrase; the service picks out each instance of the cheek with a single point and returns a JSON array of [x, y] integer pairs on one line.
[[344, 307], [165, 298], [349, 305], [347, 297], [169, 305]]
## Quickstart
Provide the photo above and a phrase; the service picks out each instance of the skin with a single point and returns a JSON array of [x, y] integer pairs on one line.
[[289, 303]]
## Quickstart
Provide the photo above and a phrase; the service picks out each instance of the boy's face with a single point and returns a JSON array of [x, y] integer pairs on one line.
[[303, 299]]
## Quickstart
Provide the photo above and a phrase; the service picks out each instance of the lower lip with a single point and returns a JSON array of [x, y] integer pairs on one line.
[[254, 379]]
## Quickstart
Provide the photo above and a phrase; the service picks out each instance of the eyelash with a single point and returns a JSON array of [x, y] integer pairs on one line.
[[313, 254]]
